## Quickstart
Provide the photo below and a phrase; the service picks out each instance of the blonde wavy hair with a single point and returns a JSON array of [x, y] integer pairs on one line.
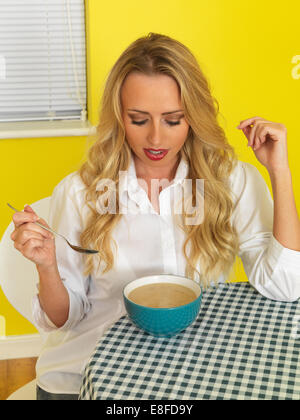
[[214, 243]]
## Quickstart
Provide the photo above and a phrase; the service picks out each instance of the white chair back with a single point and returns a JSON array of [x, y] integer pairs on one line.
[[18, 275]]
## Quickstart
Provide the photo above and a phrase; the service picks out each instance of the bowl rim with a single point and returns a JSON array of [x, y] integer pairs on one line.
[[165, 309]]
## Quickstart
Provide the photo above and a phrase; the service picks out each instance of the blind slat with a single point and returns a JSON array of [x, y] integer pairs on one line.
[[39, 88], [20, 46], [16, 80]]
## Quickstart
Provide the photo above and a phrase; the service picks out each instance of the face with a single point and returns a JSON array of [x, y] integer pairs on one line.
[[154, 121]]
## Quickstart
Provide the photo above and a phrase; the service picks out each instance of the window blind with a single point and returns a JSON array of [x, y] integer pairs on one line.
[[42, 60]]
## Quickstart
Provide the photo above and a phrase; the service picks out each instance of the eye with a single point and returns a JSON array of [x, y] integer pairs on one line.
[[171, 123], [138, 122]]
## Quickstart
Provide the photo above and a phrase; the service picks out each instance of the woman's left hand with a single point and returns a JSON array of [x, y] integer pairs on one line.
[[269, 142]]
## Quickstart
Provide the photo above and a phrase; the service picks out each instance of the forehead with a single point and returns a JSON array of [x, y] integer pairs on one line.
[[159, 92]]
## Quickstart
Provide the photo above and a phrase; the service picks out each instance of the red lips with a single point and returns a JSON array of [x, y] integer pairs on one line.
[[160, 153]]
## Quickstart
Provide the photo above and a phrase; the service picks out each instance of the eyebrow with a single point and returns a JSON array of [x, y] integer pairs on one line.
[[147, 113]]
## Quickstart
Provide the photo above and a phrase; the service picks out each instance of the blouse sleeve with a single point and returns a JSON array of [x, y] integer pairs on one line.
[[271, 268], [65, 217]]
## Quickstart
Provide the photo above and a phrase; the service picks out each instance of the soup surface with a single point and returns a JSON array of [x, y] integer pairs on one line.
[[162, 295]]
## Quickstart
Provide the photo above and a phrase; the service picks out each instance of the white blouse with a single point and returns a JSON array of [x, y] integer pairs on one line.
[[148, 243]]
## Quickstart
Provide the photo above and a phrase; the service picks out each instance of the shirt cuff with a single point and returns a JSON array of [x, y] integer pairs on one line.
[[77, 309], [43, 321], [279, 255], [40, 317]]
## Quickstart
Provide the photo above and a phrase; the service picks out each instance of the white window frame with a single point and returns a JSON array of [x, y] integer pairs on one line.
[[44, 128]]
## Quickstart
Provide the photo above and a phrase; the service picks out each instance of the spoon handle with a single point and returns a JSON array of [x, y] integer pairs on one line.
[[37, 223]]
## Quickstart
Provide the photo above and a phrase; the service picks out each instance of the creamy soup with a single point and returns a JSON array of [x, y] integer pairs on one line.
[[162, 295]]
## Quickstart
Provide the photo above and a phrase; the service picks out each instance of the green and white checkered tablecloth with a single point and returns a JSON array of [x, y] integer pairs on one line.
[[242, 346]]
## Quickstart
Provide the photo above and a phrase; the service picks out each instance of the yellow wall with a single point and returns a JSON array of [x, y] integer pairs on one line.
[[245, 49]]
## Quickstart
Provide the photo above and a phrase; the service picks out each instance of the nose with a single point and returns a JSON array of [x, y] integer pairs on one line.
[[155, 136]]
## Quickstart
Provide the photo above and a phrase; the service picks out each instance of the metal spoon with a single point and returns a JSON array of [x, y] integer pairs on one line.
[[75, 247]]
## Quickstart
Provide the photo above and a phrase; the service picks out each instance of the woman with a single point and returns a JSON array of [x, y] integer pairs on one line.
[[158, 121]]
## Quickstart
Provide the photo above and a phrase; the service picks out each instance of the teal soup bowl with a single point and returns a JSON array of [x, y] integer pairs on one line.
[[162, 322]]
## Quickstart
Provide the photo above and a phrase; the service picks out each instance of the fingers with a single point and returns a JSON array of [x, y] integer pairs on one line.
[[21, 217], [44, 223], [29, 209], [249, 121], [257, 133], [248, 127], [257, 142], [31, 240], [27, 216], [255, 130], [28, 230], [36, 250], [28, 245], [27, 235], [21, 236]]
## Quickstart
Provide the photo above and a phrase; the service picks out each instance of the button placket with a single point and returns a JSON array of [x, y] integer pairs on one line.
[[167, 232], [168, 246]]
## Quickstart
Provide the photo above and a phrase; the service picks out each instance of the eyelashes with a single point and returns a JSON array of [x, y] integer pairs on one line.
[[171, 123]]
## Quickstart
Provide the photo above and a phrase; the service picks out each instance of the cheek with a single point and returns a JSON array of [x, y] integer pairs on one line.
[[181, 135], [133, 137]]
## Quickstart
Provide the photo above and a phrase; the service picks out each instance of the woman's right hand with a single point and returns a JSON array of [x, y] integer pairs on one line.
[[34, 242]]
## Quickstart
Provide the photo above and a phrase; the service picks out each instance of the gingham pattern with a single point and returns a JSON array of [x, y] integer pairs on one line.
[[242, 346]]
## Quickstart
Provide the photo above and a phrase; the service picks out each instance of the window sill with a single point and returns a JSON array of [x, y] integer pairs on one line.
[[30, 129]]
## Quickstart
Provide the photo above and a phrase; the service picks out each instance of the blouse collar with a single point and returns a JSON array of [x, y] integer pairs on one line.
[[132, 184]]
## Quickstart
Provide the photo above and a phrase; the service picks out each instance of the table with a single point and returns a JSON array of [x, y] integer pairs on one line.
[[241, 346]]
